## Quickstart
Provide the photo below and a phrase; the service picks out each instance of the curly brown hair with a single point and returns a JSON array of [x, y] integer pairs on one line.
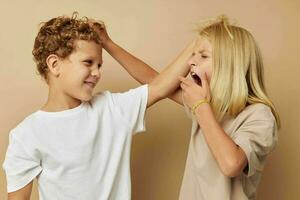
[[57, 36]]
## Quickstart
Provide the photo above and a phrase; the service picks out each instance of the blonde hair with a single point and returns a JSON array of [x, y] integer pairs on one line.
[[238, 72]]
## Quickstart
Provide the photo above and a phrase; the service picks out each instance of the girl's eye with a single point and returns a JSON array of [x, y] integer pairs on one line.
[[204, 56], [99, 66]]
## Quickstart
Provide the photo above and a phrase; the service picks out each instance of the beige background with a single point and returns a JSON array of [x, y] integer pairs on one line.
[[156, 31]]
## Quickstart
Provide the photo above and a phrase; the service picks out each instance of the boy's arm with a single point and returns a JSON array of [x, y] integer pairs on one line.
[[21, 194], [139, 70]]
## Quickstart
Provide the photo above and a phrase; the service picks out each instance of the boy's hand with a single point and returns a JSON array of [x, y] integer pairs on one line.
[[99, 27], [193, 92]]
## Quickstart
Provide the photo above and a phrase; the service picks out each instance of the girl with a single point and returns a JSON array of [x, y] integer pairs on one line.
[[234, 123]]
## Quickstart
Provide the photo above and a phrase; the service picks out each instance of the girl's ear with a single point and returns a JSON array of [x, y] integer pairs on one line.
[[52, 63]]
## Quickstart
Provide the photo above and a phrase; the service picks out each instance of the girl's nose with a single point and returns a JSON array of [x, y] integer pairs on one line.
[[191, 62]]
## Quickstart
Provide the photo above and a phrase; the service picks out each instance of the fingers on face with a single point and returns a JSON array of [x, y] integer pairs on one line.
[[183, 86], [204, 80], [181, 78], [186, 81]]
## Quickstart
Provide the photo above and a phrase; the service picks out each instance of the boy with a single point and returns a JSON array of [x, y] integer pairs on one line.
[[77, 144]]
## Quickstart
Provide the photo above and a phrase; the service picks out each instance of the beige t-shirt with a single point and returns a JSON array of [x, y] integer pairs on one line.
[[255, 131]]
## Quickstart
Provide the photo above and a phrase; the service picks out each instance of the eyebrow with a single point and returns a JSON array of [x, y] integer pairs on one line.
[[204, 51], [89, 57]]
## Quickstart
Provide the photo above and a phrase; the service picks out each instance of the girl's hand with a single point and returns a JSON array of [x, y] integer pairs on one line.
[[192, 92]]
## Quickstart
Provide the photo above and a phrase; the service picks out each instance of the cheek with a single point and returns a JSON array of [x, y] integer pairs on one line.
[[84, 72], [80, 73], [208, 70], [74, 77]]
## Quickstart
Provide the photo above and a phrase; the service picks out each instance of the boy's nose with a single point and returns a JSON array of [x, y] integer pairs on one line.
[[96, 73]]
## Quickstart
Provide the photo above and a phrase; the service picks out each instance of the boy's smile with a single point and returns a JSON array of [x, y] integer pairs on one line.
[[77, 76]]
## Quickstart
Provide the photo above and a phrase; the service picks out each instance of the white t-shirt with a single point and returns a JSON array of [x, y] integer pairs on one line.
[[81, 153]]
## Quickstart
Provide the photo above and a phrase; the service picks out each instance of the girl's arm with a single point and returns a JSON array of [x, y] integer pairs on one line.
[[139, 70], [230, 157]]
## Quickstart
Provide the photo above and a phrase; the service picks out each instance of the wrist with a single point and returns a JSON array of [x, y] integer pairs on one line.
[[202, 108], [198, 104], [107, 44], [203, 114]]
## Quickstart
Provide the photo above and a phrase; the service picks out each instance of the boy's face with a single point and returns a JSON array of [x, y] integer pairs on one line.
[[80, 72]]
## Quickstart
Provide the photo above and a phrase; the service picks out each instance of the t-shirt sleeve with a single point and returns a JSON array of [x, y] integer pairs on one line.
[[21, 165], [132, 106], [257, 137]]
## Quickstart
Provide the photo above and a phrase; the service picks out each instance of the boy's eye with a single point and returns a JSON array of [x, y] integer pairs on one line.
[[99, 66], [204, 56], [89, 62]]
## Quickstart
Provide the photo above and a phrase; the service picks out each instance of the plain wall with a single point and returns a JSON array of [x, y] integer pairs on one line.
[[156, 31]]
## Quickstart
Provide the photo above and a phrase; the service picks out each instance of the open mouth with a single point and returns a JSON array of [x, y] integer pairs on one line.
[[196, 78]]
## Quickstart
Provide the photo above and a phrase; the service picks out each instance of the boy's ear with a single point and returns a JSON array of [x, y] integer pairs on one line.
[[52, 63]]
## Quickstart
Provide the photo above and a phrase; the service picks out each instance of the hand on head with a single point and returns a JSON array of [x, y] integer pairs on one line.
[[100, 28]]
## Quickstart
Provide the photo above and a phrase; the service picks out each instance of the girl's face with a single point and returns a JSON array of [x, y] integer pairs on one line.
[[201, 60]]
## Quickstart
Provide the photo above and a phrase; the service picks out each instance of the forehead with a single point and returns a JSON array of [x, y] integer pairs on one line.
[[203, 44], [87, 48]]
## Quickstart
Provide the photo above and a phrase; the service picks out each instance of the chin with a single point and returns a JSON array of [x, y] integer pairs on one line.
[[86, 97]]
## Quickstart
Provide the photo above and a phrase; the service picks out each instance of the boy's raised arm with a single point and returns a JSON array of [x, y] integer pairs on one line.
[[139, 70]]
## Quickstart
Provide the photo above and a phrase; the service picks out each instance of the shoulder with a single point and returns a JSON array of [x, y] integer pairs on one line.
[[23, 133], [258, 123], [101, 99], [23, 128], [256, 116], [257, 111]]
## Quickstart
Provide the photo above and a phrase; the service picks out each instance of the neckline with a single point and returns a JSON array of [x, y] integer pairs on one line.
[[63, 112]]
